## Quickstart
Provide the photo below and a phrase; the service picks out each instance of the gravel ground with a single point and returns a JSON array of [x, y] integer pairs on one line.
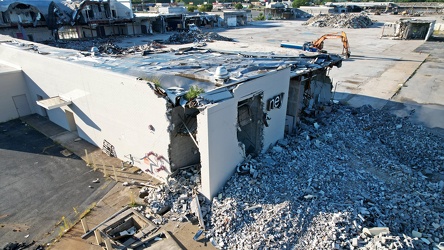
[[349, 179]]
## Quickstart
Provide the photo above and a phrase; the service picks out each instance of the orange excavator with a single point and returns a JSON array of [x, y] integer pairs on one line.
[[319, 43]]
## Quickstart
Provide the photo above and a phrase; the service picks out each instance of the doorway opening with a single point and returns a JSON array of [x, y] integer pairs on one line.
[[250, 125], [183, 149]]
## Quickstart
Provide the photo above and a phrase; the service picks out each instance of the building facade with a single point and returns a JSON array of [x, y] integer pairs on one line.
[[169, 111]]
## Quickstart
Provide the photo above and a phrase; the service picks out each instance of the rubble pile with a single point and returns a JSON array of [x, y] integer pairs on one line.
[[113, 49], [195, 36], [351, 21], [351, 178], [171, 201], [107, 46]]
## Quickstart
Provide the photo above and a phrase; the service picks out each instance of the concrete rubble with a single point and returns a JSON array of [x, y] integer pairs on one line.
[[195, 36], [350, 21], [108, 46], [350, 178]]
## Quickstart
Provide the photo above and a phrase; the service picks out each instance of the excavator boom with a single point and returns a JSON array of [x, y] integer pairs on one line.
[[319, 43]]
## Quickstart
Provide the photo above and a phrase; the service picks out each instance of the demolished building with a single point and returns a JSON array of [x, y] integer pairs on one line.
[[170, 110], [409, 28], [49, 20], [53, 20]]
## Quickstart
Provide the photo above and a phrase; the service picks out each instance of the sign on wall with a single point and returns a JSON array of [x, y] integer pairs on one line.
[[275, 102]]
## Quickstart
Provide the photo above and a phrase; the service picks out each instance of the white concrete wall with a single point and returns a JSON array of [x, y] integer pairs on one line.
[[12, 84], [217, 134], [39, 33], [106, 105], [123, 8]]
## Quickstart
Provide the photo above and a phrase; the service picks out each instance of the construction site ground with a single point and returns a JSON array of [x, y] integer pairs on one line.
[[387, 74]]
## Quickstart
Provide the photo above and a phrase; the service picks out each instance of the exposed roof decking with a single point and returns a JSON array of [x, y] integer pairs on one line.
[[188, 66]]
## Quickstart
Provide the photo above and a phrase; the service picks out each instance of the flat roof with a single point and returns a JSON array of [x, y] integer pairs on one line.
[[181, 68], [7, 69]]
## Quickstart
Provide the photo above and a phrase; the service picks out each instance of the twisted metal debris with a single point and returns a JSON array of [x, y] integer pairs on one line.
[[351, 21]]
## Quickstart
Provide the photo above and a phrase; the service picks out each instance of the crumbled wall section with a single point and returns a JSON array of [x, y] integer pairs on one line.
[[308, 92]]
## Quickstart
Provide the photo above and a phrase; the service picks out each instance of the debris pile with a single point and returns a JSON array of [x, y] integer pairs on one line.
[[351, 178], [351, 21], [113, 49], [107, 46], [173, 200], [195, 36]]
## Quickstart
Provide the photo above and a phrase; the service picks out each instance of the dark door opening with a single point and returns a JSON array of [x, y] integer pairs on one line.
[[250, 125], [183, 149]]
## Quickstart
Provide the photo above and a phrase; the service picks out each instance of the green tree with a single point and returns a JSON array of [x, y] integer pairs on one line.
[[191, 8], [238, 6], [206, 8], [299, 3], [261, 17]]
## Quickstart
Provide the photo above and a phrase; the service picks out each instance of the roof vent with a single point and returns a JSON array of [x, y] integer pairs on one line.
[[95, 51], [221, 75]]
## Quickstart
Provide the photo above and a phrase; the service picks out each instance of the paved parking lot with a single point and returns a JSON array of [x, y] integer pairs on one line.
[[39, 185]]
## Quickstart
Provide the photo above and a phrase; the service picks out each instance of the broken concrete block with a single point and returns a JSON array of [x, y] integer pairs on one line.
[[355, 242], [252, 207], [425, 241], [376, 230], [416, 234]]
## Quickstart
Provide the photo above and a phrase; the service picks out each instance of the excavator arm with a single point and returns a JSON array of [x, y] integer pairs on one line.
[[319, 43]]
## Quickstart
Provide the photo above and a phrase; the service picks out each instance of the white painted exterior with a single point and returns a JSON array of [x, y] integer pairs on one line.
[[232, 22], [123, 8], [217, 130], [106, 106], [127, 112], [12, 83]]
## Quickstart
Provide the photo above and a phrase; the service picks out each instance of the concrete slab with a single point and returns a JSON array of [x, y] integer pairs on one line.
[[421, 97]]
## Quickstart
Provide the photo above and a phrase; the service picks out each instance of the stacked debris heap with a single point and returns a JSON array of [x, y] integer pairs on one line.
[[349, 178], [195, 36], [350, 21]]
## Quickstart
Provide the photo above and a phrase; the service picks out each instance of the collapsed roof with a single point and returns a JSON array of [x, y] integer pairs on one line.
[[173, 73]]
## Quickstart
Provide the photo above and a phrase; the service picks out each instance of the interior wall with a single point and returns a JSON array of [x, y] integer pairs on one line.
[[183, 151], [106, 106], [12, 84], [217, 134]]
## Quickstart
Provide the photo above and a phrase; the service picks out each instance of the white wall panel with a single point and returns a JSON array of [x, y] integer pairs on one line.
[[106, 105], [12, 84], [217, 133]]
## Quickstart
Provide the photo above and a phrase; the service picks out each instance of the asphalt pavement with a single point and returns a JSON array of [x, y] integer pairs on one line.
[[39, 184]]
